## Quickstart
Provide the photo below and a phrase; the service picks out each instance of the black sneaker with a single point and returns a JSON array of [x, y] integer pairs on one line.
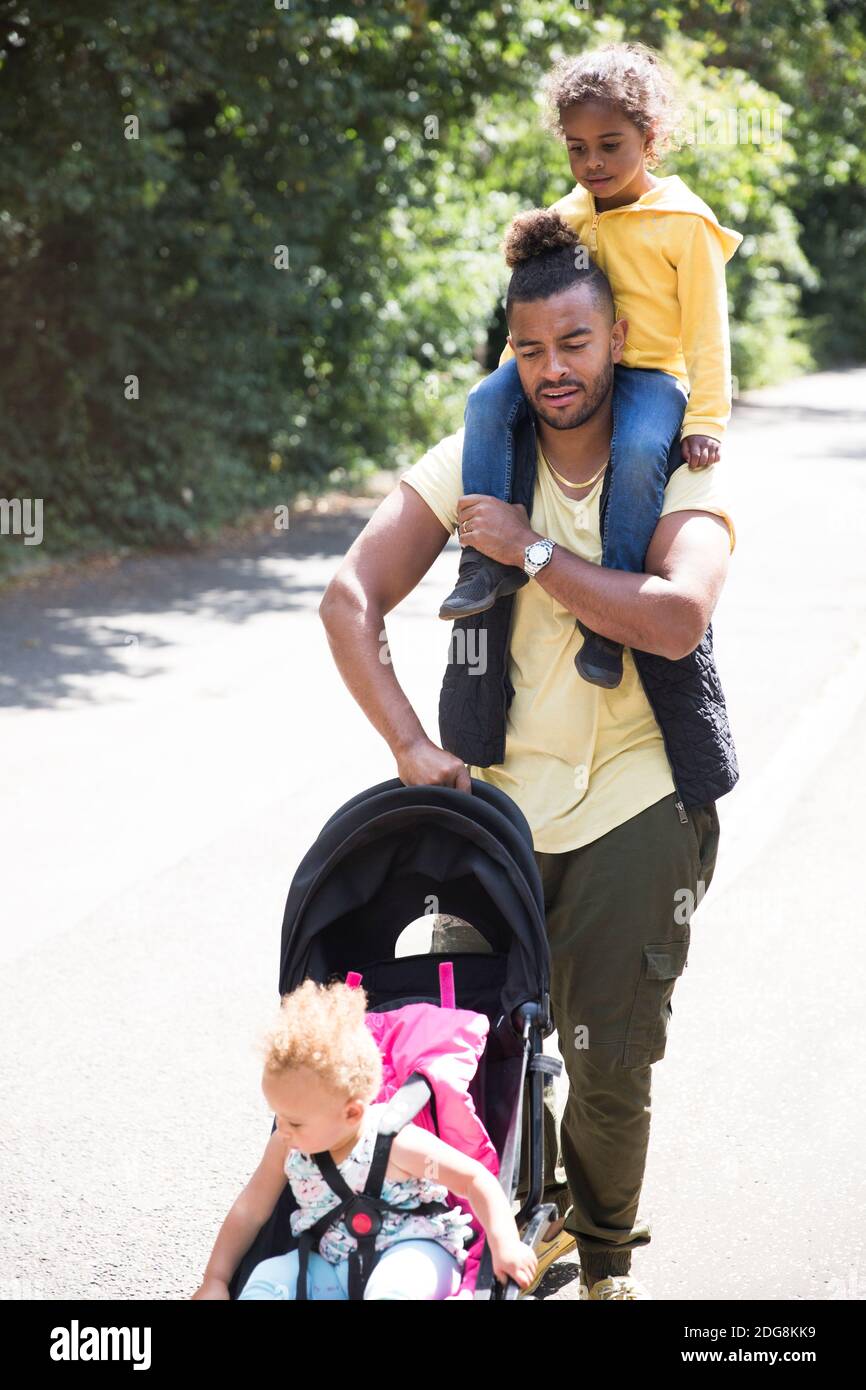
[[480, 583], [599, 660]]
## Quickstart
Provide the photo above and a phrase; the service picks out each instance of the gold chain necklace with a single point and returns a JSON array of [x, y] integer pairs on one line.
[[568, 482]]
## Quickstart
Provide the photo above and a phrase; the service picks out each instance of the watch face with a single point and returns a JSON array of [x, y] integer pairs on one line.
[[537, 552]]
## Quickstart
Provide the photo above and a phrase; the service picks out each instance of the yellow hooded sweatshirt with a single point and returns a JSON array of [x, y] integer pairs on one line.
[[665, 258]]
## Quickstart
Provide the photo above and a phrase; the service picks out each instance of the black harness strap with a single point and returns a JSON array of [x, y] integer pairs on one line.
[[362, 1212]]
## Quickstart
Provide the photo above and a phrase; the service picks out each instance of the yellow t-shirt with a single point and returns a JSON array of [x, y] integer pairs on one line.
[[579, 760]]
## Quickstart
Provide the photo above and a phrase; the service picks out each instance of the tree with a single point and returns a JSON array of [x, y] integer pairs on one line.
[[251, 251]]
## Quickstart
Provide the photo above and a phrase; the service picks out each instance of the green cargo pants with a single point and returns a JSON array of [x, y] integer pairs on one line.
[[618, 912]]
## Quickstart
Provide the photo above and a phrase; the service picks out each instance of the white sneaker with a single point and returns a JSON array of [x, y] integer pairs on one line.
[[614, 1287], [548, 1251]]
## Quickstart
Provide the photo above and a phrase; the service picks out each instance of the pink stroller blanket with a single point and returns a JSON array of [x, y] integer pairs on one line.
[[444, 1044]]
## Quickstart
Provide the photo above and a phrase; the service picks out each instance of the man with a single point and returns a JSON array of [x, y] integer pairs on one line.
[[618, 786]]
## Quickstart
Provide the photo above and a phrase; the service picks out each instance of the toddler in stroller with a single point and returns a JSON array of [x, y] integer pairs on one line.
[[322, 1071], [459, 1027]]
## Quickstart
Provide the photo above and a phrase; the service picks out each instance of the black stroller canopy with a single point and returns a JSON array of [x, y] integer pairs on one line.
[[384, 860], [394, 853]]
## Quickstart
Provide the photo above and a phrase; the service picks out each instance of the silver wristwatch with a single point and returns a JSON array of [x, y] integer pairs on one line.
[[537, 555]]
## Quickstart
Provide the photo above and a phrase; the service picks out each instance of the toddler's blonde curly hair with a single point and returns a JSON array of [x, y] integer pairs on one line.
[[322, 1027], [630, 76]]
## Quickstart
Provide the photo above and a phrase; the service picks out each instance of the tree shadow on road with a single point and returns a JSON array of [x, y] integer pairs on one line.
[[90, 620]]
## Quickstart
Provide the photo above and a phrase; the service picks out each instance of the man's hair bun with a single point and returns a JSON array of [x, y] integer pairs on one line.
[[532, 232], [546, 256]]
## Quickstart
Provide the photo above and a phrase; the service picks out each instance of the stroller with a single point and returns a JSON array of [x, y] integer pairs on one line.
[[389, 857]]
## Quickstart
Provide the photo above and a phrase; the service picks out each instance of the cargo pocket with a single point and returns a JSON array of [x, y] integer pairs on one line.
[[647, 1034]]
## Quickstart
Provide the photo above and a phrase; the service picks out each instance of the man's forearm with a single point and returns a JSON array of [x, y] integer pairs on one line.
[[665, 611], [360, 651], [639, 610]]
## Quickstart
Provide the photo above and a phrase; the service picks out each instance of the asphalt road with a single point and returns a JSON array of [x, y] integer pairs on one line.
[[174, 734]]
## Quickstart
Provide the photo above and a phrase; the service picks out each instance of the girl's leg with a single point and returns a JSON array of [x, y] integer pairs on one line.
[[493, 410], [276, 1279], [648, 409], [414, 1269]]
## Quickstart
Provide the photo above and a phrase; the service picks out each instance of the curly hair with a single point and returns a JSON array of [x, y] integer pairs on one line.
[[546, 256], [530, 233], [322, 1027], [630, 76]]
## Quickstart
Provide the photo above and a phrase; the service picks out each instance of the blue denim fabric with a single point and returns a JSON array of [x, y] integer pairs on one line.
[[648, 409], [408, 1269], [493, 408]]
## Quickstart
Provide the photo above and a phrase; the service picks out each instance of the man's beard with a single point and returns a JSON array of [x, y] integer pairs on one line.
[[594, 396]]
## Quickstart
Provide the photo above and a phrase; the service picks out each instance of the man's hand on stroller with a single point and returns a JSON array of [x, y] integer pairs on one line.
[[423, 763], [513, 1260]]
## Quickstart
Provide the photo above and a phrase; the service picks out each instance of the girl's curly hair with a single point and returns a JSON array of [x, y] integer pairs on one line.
[[322, 1027], [630, 76]]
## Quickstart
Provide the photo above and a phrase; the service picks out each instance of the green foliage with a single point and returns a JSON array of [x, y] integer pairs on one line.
[[811, 54], [384, 146], [735, 156]]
